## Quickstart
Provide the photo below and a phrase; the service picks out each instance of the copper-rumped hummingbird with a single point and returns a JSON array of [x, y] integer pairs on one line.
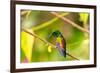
[[60, 42]]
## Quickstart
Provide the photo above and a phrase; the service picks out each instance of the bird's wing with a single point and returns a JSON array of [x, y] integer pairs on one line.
[[63, 43]]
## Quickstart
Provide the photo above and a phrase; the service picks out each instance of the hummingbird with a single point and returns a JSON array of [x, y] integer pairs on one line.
[[60, 42]]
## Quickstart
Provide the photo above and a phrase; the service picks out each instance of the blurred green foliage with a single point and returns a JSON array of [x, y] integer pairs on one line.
[[43, 23]]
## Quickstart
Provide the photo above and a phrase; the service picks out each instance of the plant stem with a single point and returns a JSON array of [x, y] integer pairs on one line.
[[27, 15], [70, 22], [43, 25], [23, 12], [72, 56], [46, 42], [38, 37]]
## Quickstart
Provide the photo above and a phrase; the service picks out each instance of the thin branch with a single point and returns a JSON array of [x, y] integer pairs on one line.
[[38, 37], [23, 12], [46, 42], [27, 15], [74, 43], [70, 22], [72, 56], [45, 24]]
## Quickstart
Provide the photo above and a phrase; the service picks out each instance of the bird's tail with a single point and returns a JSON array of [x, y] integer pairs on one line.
[[61, 51]]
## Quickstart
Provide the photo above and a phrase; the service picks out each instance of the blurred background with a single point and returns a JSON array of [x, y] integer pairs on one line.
[[43, 23]]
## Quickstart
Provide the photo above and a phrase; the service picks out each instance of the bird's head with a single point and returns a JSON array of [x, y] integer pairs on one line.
[[56, 33]]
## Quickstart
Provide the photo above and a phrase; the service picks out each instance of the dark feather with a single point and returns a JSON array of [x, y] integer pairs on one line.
[[61, 49], [63, 43]]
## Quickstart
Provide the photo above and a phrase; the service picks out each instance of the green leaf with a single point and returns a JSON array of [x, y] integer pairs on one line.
[[27, 42], [83, 17]]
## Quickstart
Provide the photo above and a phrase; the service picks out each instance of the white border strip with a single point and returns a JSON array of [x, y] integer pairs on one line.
[[52, 64]]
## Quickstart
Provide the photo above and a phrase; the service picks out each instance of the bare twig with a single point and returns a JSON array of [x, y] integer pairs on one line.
[[47, 42], [38, 37], [70, 22], [27, 15], [47, 23], [72, 56]]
